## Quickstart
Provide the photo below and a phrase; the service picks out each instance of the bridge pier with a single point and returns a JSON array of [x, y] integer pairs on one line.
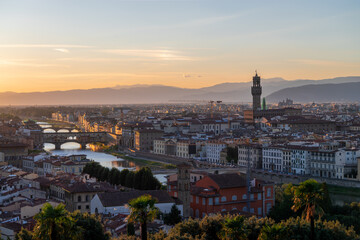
[[57, 146], [83, 146]]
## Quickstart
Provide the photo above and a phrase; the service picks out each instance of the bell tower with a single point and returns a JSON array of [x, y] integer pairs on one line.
[[256, 91], [183, 180]]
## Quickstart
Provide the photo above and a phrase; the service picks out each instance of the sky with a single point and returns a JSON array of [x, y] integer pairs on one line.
[[64, 44]]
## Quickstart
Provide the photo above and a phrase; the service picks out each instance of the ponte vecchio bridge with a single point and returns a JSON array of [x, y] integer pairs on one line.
[[83, 138]]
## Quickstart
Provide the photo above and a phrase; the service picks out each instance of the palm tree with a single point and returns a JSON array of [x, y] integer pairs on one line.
[[142, 210], [308, 197], [55, 223], [233, 228], [273, 232]]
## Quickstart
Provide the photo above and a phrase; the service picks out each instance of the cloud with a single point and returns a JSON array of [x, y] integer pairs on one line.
[[317, 62], [57, 46], [63, 50], [191, 76], [25, 63], [156, 54]]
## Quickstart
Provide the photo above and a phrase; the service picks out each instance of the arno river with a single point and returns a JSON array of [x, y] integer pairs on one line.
[[104, 159]]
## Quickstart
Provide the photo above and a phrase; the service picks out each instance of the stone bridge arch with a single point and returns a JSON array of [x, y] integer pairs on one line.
[[82, 138]]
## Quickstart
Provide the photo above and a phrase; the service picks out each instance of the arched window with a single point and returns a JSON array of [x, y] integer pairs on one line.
[[234, 197], [223, 210], [223, 199], [197, 213], [245, 209], [244, 196]]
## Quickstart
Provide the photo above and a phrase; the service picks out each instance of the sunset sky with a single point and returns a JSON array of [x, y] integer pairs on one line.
[[60, 45]]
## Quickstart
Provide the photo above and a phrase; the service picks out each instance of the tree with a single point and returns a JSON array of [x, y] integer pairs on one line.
[[123, 175], [273, 232], [105, 174], [99, 172], [138, 184], [130, 229], [173, 217], [232, 154], [91, 226], [113, 174], [284, 200], [148, 181], [54, 223], [233, 228], [23, 235], [308, 196], [142, 210], [130, 180]]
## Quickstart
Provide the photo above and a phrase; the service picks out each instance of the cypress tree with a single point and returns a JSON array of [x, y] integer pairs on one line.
[[123, 175]]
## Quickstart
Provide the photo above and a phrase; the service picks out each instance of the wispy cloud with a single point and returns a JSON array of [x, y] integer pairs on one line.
[[55, 46], [191, 76], [156, 54], [25, 63], [63, 50], [98, 75], [317, 62], [202, 22]]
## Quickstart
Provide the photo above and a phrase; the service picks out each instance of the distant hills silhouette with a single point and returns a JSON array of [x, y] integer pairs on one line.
[[341, 89]]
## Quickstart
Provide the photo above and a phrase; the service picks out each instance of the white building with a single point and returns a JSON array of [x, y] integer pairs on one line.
[[116, 202], [333, 163], [272, 158], [159, 146], [255, 154], [213, 150]]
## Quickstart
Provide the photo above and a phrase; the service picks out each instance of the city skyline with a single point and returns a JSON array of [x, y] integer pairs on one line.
[[47, 46]]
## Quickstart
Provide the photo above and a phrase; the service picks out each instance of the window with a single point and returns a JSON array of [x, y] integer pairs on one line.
[[216, 200], [197, 199], [245, 209], [203, 201], [251, 210], [259, 211], [79, 198], [268, 192], [252, 196], [234, 197], [87, 207], [87, 198], [259, 196], [79, 207], [268, 207], [244, 196], [223, 199], [210, 201]]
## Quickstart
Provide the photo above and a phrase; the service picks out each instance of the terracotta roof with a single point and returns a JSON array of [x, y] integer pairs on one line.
[[231, 180], [78, 187], [110, 199]]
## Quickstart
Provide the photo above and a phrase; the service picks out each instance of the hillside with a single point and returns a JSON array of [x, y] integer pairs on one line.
[[343, 92], [138, 94]]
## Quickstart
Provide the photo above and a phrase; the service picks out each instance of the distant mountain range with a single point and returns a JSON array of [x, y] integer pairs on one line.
[[344, 89], [341, 92]]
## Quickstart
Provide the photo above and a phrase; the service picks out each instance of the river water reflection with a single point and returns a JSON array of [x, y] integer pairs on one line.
[[106, 160]]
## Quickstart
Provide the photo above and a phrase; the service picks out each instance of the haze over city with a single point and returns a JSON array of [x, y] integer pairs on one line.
[[179, 119], [63, 45]]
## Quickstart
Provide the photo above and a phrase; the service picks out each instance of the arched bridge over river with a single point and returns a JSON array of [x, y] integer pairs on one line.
[[83, 138]]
